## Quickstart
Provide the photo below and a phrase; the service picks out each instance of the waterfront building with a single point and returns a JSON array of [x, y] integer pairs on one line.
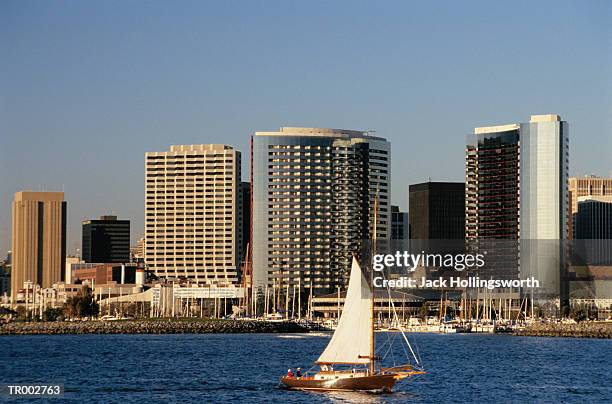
[[106, 240], [587, 186], [39, 240], [5, 281], [437, 210], [191, 213], [101, 274], [137, 252], [593, 219], [399, 224], [70, 261], [313, 193], [516, 189], [593, 230], [244, 218]]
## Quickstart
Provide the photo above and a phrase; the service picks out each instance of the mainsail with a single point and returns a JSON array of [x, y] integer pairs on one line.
[[351, 340]]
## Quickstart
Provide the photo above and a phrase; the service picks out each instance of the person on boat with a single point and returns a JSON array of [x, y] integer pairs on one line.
[[289, 374], [298, 373]]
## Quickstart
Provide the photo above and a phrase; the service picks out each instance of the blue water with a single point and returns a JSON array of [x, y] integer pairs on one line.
[[242, 367]]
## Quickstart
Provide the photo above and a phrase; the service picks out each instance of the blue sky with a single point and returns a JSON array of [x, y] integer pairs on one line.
[[86, 88]]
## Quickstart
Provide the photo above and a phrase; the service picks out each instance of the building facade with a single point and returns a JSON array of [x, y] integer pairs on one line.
[[39, 240], [313, 197], [516, 189], [102, 274], [399, 224], [593, 220], [191, 213], [593, 230], [106, 240], [588, 186], [437, 210], [137, 251], [244, 218]]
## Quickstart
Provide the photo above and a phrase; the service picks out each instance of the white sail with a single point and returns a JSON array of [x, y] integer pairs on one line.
[[351, 340]]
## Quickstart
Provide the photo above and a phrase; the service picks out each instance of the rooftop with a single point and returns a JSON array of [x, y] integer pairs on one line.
[[322, 132], [39, 196]]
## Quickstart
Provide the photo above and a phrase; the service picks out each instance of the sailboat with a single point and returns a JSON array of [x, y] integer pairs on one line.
[[353, 344]]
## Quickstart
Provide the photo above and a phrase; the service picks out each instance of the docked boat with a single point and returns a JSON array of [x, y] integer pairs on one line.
[[352, 346]]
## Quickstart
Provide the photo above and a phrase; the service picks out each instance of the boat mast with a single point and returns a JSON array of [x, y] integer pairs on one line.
[[372, 300]]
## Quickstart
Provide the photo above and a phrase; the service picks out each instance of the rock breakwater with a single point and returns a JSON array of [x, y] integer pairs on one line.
[[150, 326], [579, 330]]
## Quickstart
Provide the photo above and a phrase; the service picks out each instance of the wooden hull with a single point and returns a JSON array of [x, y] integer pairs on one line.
[[367, 383]]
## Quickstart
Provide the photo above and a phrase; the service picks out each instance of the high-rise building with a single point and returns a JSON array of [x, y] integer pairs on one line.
[[516, 189], [584, 187], [593, 230], [137, 251], [593, 220], [106, 240], [399, 224], [191, 213], [313, 193], [244, 217], [516, 180], [437, 210], [39, 240]]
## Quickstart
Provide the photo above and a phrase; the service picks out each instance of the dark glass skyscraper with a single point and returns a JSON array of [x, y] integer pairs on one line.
[[593, 229], [106, 240], [399, 224], [517, 197], [437, 210]]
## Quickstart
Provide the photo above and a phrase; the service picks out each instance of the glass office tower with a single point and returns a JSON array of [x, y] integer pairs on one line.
[[313, 193], [517, 189]]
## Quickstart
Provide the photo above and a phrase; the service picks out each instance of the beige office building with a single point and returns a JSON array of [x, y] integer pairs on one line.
[[192, 227], [39, 240], [588, 186]]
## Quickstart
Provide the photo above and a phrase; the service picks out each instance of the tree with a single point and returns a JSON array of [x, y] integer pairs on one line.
[[566, 311], [579, 313], [52, 314], [424, 311], [22, 314], [82, 305]]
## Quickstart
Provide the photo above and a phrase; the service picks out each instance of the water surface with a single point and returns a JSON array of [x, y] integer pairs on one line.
[[246, 367]]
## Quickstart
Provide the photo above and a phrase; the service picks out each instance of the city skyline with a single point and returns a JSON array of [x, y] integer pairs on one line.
[[87, 107]]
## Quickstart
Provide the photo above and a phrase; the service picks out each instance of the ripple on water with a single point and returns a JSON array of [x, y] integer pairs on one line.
[[247, 367]]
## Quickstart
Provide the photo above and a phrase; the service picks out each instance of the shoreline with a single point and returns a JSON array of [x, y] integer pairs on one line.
[[596, 330], [150, 326], [599, 330]]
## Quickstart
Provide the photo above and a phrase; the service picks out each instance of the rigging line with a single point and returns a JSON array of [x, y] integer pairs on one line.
[[390, 339], [400, 326], [418, 353], [388, 349], [381, 346], [393, 352]]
